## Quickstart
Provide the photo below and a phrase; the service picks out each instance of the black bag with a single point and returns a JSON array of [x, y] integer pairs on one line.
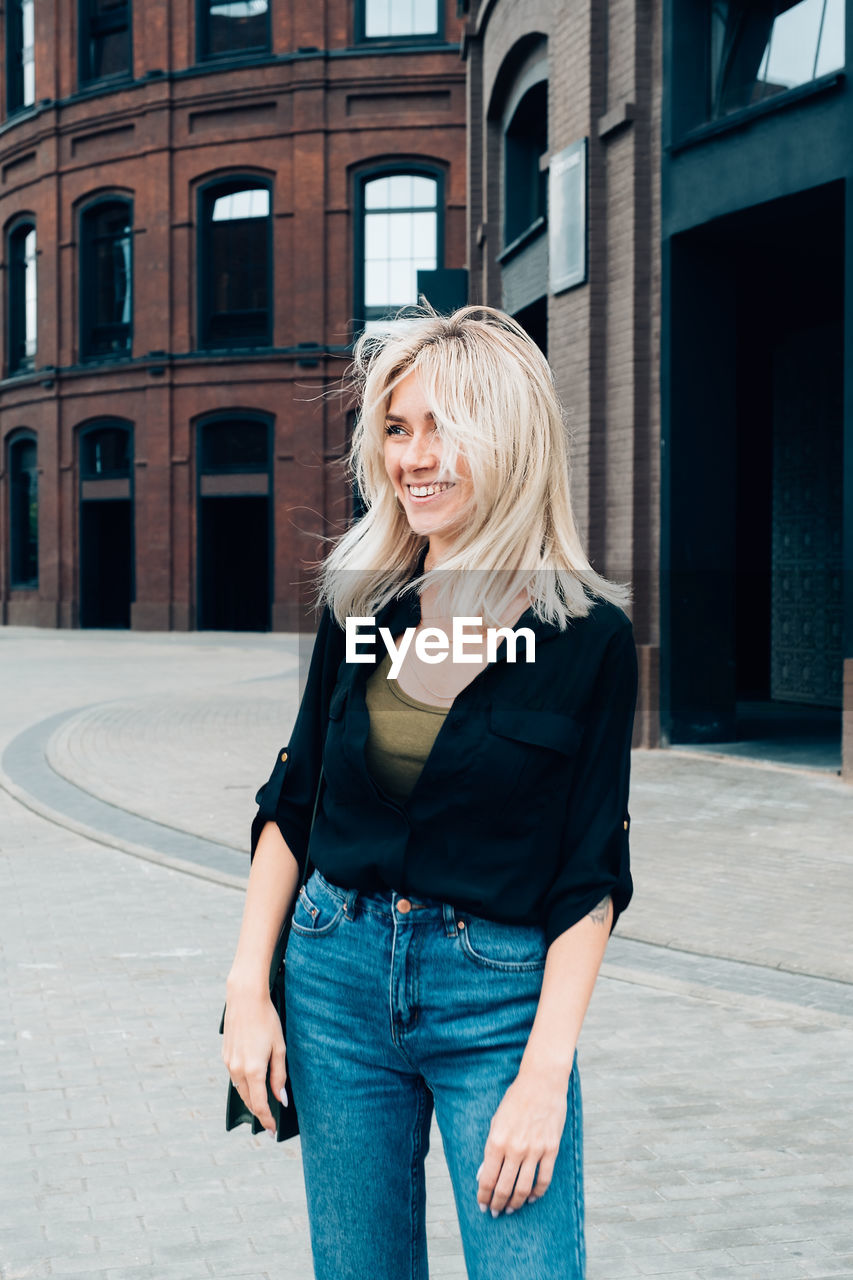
[[236, 1111]]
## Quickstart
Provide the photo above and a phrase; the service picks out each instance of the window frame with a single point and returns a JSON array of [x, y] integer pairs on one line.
[[19, 228], [206, 194], [85, 77], [687, 88], [17, 437], [439, 36], [540, 218], [86, 214], [711, 87], [94, 427], [202, 38], [392, 168], [15, 57], [258, 418]]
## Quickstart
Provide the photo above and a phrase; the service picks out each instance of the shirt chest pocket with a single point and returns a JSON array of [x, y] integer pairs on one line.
[[528, 752]]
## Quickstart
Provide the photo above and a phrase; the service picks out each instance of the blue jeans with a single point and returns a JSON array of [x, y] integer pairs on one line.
[[391, 1012]]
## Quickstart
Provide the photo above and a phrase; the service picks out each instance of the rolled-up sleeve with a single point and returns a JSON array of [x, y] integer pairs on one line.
[[594, 857], [287, 797]]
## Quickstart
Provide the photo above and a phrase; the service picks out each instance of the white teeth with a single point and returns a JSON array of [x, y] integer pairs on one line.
[[427, 490]]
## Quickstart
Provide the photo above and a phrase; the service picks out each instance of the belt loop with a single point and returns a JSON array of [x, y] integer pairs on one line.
[[349, 903], [450, 926]]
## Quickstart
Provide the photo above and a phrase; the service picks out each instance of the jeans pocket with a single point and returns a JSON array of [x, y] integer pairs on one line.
[[519, 948], [317, 910]]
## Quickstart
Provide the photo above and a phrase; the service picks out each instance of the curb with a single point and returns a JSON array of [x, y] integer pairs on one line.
[[116, 842]]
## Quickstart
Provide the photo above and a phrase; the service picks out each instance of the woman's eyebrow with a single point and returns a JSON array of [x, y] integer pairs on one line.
[[398, 417]]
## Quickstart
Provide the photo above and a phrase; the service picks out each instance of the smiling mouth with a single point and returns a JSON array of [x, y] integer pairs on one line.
[[429, 490]]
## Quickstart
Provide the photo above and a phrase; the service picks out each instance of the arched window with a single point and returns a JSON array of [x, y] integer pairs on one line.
[[23, 511], [105, 453], [20, 55], [104, 28], [400, 233], [235, 264], [234, 445], [399, 19], [227, 28], [22, 297], [106, 280], [525, 142]]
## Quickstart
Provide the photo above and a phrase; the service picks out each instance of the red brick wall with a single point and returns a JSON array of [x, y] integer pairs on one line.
[[307, 125]]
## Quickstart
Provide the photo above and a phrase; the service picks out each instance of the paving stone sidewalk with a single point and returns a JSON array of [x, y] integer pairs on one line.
[[717, 1090]]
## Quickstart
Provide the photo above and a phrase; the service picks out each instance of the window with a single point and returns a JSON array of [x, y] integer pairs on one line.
[[400, 237], [233, 444], [525, 142], [23, 511], [105, 453], [235, 265], [398, 19], [758, 51], [104, 39], [20, 55], [106, 280], [22, 297], [227, 28]]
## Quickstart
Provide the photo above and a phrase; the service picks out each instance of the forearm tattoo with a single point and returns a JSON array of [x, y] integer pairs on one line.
[[598, 915]]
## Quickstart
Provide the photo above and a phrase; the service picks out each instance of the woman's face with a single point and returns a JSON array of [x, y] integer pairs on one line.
[[413, 453]]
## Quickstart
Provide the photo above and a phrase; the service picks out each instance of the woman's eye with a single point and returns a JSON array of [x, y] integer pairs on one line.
[[391, 427]]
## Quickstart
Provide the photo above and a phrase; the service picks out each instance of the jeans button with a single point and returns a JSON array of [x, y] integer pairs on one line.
[[404, 905]]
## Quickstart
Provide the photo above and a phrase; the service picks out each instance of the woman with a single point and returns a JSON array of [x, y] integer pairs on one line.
[[470, 844]]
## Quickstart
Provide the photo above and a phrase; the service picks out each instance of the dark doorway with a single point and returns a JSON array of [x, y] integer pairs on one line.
[[754, 491], [106, 524], [234, 559], [234, 523], [105, 563]]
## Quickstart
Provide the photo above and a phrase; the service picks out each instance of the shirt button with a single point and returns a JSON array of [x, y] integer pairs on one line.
[[625, 824], [404, 905], [283, 757]]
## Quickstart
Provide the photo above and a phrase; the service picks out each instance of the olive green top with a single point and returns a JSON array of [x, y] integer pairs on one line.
[[402, 731]]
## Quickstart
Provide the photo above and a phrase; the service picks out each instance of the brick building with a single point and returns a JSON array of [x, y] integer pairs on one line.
[[201, 204], [564, 233]]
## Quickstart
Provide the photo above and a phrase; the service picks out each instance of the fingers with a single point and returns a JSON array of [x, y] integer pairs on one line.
[[505, 1183], [523, 1185], [546, 1173], [278, 1075], [258, 1102], [252, 1088], [497, 1182]]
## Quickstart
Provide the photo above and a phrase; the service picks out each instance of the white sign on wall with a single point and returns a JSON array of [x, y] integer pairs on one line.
[[567, 204]]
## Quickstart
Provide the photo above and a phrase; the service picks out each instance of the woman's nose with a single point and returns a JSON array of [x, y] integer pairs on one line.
[[421, 452]]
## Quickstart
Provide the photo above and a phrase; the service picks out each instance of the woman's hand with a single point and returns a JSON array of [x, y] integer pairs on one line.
[[525, 1131], [252, 1042]]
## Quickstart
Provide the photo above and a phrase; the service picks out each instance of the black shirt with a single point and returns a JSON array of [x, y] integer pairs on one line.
[[521, 810]]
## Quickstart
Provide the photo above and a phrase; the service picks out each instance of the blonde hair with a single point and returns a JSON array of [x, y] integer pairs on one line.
[[493, 398]]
